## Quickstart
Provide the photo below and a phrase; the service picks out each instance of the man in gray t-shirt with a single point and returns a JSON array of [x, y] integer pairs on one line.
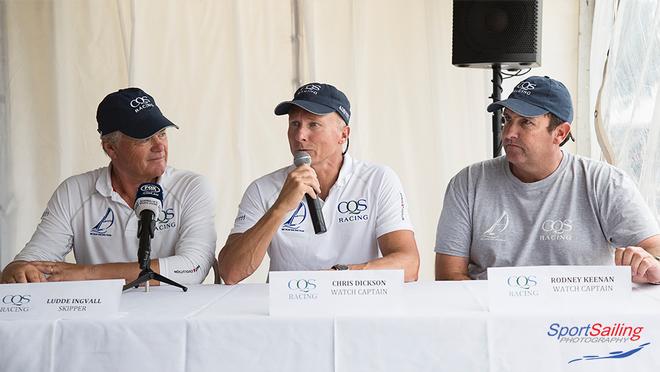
[[539, 205]]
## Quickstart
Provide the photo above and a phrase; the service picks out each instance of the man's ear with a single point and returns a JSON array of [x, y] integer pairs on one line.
[[560, 133], [109, 149], [345, 132]]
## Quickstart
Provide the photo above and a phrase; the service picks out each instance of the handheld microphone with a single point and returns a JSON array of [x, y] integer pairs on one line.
[[314, 205], [148, 204]]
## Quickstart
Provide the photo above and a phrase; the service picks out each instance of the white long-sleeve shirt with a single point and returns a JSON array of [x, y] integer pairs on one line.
[[86, 215]]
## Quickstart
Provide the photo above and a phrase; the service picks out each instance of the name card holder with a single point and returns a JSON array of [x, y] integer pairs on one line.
[[57, 300], [321, 293], [556, 288]]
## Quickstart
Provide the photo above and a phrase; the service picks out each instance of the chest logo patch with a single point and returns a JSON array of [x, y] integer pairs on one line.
[[353, 210], [556, 230], [496, 231], [166, 219], [102, 227], [296, 220]]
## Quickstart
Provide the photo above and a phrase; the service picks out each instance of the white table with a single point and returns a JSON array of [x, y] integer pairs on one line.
[[446, 326]]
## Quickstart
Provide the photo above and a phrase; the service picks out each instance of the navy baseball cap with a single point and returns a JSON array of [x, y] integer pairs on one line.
[[319, 99], [538, 95], [132, 112]]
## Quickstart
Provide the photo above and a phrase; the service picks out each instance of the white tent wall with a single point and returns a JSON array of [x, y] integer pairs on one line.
[[55, 75], [218, 68], [7, 223], [629, 107]]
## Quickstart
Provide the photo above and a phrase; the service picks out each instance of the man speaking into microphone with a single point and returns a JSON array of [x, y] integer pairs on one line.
[[93, 213], [326, 210]]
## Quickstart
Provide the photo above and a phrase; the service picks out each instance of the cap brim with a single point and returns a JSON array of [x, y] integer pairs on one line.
[[519, 107], [312, 107], [148, 126]]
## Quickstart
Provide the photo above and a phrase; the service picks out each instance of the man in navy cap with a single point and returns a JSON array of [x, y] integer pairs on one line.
[[363, 205], [540, 205], [92, 213]]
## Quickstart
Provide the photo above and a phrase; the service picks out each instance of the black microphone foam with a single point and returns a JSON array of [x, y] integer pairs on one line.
[[314, 205], [148, 204]]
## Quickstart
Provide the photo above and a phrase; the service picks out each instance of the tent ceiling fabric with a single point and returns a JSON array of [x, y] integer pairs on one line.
[[218, 68]]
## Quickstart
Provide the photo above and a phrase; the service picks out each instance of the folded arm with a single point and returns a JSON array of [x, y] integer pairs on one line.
[[399, 251], [451, 267], [49, 271], [244, 252]]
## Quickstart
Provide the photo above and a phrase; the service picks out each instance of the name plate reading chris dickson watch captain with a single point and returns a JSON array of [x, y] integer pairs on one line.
[[349, 292], [56, 300]]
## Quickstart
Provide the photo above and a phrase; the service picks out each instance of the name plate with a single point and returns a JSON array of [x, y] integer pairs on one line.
[[56, 300], [350, 292], [558, 287]]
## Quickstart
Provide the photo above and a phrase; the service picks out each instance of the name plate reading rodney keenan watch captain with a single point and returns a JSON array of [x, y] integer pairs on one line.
[[60, 300], [557, 288], [348, 292]]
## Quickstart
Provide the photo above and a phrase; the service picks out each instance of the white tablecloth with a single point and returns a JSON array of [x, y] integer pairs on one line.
[[446, 326]]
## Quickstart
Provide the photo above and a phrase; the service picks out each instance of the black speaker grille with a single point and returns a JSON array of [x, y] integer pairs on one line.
[[496, 32]]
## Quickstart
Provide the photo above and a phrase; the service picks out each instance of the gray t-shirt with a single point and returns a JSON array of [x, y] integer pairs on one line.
[[575, 216]]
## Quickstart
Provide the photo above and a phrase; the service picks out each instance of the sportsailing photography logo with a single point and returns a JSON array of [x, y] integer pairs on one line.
[[617, 334]]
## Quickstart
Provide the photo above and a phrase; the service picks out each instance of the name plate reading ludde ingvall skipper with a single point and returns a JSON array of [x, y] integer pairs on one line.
[[78, 299], [350, 292], [558, 287]]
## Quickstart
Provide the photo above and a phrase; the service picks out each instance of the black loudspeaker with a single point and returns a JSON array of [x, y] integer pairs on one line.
[[495, 32]]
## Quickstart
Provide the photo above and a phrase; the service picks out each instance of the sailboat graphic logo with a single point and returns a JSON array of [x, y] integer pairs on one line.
[[496, 230], [102, 227]]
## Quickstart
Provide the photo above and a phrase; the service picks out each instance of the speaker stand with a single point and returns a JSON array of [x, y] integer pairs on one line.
[[497, 114]]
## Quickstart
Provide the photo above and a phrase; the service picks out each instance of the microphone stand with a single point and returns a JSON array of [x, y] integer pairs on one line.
[[497, 114], [145, 233]]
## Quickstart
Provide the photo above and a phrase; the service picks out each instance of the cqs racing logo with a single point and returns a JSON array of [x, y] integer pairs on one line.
[[302, 289], [15, 303], [166, 219], [296, 220], [525, 88], [522, 285], [599, 333], [556, 230], [309, 88], [352, 210], [141, 103], [102, 227]]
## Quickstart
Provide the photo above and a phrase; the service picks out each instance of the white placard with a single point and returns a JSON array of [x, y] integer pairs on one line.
[[350, 292], [558, 287], [77, 299]]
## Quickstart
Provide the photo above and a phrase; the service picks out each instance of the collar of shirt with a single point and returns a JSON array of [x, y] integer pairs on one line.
[[345, 172], [104, 183]]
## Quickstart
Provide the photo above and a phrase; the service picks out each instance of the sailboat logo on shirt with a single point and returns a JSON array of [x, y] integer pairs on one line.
[[297, 218], [101, 228], [496, 230]]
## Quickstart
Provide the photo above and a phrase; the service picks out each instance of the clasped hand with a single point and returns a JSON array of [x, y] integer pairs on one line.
[[43, 271], [643, 266]]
